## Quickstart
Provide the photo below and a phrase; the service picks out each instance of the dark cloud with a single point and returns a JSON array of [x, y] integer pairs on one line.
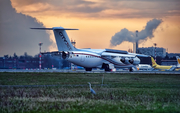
[[87, 9], [21, 3], [130, 36], [16, 35], [144, 8], [60, 3]]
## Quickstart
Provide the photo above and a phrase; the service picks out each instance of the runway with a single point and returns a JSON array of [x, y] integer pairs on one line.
[[93, 71]]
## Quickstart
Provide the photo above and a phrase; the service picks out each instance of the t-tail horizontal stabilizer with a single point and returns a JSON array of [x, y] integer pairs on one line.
[[53, 28], [62, 39]]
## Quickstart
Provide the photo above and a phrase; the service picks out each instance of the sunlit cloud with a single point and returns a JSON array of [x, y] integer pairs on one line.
[[100, 9], [100, 19]]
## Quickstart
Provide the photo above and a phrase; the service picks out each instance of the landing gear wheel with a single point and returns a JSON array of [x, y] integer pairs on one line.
[[131, 70], [88, 69], [107, 67]]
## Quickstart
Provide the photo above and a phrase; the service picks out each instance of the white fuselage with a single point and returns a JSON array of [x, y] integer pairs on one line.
[[95, 58], [85, 59]]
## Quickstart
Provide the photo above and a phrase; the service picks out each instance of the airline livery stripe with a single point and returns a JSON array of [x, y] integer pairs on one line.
[[109, 60]]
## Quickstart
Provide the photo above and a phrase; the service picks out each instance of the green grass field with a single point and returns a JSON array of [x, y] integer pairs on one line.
[[125, 93]]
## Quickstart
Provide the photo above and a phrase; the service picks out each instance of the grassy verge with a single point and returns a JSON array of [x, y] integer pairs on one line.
[[122, 93]]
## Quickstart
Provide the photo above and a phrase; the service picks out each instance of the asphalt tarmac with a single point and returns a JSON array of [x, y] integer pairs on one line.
[[93, 71]]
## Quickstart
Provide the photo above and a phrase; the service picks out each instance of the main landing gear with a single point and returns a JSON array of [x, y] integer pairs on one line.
[[88, 69], [131, 69], [105, 67]]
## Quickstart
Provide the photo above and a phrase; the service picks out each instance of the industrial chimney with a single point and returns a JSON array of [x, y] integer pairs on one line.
[[135, 44], [136, 41]]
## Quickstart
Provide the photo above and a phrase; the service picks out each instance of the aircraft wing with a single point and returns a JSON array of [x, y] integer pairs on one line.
[[116, 54], [139, 55], [113, 52], [172, 68], [51, 53]]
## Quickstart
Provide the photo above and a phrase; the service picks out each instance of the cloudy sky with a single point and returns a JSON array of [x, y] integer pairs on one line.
[[99, 21]]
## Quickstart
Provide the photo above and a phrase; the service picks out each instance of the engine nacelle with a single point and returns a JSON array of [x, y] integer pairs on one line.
[[125, 60], [122, 59], [134, 61], [65, 55]]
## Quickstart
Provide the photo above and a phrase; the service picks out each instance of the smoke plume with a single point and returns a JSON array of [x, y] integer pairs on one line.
[[16, 35], [126, 35]]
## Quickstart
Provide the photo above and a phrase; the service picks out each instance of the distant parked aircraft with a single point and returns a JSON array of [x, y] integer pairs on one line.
[[146, 67], [162, 67], [178, 63]]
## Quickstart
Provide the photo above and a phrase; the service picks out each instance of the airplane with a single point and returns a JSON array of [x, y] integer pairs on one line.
[[178, 63], [162, 67], [107, 59], [146, 67]]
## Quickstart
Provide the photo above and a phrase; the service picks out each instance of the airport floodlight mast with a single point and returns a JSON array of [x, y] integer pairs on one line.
[[155, 44], [40, 44], [73, 43]]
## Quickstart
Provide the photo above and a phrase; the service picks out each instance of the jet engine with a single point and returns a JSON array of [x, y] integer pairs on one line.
[[127, 60], [65, 55], [134, 61], [122, 59]]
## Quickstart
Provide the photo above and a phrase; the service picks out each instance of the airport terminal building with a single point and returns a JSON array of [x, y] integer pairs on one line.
[[151, 51]]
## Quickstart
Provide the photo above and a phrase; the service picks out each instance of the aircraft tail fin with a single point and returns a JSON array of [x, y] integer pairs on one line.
[[62, 39], [153, 62], [178, 61]]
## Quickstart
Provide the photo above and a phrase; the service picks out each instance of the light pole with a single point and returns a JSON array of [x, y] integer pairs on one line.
[[4, 62], [40, 44], [155, 50]]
